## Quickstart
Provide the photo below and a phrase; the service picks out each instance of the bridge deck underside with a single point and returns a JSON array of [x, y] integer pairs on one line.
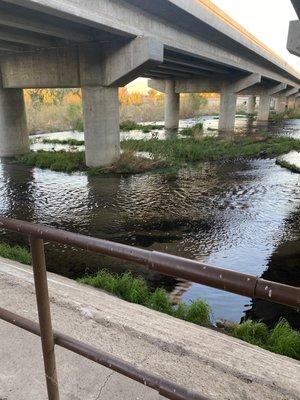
[[25, 30]]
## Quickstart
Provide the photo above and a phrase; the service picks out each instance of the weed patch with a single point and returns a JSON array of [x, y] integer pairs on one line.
[[130, 125], [17, 253], [191, 150], [281, 340], [70, 142], [135, 290], [65, 161], [194, 130], [289, 166]]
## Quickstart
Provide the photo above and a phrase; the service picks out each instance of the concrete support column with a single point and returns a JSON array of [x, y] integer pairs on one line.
[[172, 104], [272, 103], [280, 105], [297, 103], [251, 105], [101, 125], [291, 102], [227, 111], [14, 138], [263, 108]]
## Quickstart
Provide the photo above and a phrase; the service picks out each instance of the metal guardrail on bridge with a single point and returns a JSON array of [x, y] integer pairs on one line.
[[223, 279]]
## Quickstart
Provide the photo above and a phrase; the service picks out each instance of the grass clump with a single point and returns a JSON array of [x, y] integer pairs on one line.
[[125, 286], [70, 142], [129, 163], [252, 332], [281, 340], [17, 253], [56, 161], [194, 130], [191, 150], [284, 340], [135, 290], [173, 152], [129, 125], [287, 114], [289, 166], [199, 313], [65, 161]]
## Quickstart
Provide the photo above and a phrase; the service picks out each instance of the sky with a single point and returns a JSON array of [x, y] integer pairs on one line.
[[268, 20]]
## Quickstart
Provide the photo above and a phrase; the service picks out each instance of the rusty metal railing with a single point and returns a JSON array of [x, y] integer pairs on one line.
[[223, 279]]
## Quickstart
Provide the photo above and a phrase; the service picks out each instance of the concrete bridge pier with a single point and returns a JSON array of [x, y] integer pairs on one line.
[[280, 104], [229, 93], [263, 108], [227, 111], [291, 103], [14, 138], [251, 104], [101, 125], [172, 105]]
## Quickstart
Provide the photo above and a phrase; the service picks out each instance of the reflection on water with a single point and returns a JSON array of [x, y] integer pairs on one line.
[[241, 215]]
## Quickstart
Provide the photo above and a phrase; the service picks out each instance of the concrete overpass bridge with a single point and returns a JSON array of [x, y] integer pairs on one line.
[[99, 45], [293, 44]]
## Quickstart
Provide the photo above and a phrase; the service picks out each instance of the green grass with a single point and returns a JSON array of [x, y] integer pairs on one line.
[[191, 150], [281, 340], [17, 253], [135, 290], [287, 165], [192, 130], [172, 152], [129, 163], [129, 125], [64, 161], [288, 114], [71, 142]]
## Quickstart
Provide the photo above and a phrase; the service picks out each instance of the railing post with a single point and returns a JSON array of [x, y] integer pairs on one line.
[[43, 306]]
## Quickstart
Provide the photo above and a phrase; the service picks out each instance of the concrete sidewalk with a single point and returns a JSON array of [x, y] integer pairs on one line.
[[209, 362]]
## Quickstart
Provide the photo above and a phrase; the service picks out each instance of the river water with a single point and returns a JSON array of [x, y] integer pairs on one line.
[[242, 215]]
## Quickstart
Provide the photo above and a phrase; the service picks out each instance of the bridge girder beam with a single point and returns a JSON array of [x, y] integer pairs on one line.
[[290, 92], [92, 64], [25, 38], [242, 84], [26, 20]]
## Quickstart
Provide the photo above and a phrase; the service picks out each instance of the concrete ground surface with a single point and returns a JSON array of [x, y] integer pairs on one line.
[[206, 361]]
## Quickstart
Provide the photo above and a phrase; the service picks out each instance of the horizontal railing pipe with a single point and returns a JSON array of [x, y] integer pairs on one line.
[[164, 387], [219, 278]]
